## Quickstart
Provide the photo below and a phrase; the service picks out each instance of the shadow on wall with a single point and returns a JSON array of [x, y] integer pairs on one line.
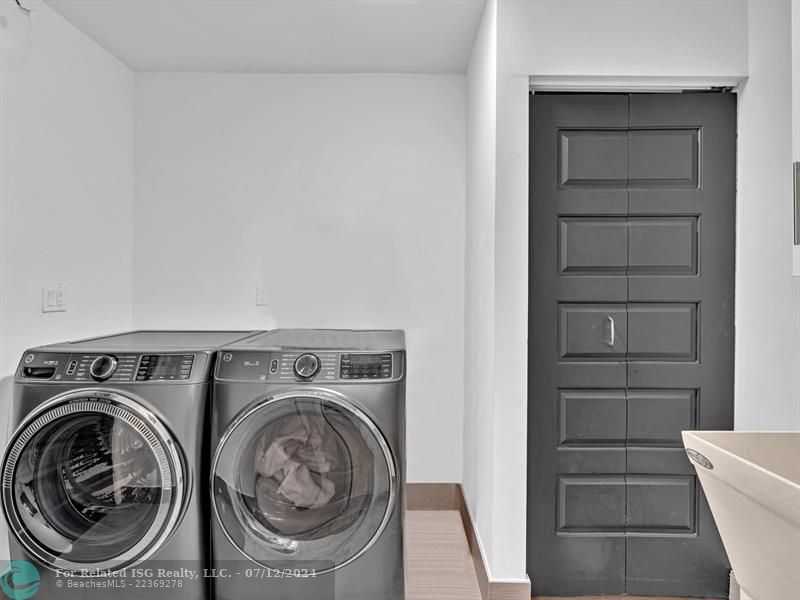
[[6, 396]]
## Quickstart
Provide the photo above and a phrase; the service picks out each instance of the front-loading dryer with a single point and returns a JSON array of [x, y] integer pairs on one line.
[[104, 479], [307, 476]]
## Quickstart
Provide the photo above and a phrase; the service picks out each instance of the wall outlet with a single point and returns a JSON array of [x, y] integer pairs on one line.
[[261, 295], [53, 298]]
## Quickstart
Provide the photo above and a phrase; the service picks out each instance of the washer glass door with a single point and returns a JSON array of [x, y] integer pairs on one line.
[[92, 481], [303, 478]]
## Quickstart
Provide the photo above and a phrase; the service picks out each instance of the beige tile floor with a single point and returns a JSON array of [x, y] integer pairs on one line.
[[439, 563]]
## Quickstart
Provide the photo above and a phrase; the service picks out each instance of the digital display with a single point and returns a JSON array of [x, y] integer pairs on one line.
[[365, 359], [165, 367], [366, 366]]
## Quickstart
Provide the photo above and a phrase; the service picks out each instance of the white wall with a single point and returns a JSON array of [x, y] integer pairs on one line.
[[342, 194], [767, 394], [479, 408], [620, 37], [66, 116], [577, 38], [65, 186]]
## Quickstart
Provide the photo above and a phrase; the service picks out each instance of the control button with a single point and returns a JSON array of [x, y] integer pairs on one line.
[[103, 367], [29, 359], [306, 366], [273, 366], [227, 357], [72, 366]]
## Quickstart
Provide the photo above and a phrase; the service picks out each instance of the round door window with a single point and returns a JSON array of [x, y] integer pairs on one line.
[[92, 481], [304, 477]]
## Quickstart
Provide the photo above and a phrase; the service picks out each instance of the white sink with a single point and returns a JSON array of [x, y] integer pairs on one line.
[[752, 481]]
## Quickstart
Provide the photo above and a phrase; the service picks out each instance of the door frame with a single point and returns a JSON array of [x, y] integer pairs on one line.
[[600, 84], [632, 84]]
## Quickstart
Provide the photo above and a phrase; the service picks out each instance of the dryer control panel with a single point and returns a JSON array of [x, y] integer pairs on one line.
[[366, 366], [107, 367], [310, 366]]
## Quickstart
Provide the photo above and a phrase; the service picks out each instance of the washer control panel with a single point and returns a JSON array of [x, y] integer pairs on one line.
[[165, 367], [316, 366], [366, 366], [108, 367]]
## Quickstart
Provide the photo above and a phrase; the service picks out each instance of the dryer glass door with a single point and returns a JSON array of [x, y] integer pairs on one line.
[[92, 481], [303, 480]]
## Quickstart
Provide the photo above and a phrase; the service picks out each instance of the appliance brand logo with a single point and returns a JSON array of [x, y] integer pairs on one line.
[[19, 580], [698, 458]]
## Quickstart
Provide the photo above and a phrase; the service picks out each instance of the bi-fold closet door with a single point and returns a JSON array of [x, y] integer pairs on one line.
[[631, 338]]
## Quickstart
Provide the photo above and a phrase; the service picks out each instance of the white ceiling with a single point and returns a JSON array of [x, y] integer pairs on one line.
[[282, 36]]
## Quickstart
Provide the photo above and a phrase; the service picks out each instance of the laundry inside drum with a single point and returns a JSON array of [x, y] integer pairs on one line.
[[313, 473]]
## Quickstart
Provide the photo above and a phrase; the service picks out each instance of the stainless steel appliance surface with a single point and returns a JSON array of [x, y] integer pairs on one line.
[[309, 467], [104, 484]]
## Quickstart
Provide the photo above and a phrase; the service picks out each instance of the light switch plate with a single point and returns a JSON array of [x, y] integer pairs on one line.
[[796, 249], [53, 298], [796, 180]]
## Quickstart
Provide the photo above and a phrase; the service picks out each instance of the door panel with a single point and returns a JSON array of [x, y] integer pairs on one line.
[[658, 416], [593, 158], [664, 158], [592, 332], [591, 504], [660, 504], [662, 331], [593, 246], [688, 564], [591, 417], [659, 245], [632, 214], [567, 446]]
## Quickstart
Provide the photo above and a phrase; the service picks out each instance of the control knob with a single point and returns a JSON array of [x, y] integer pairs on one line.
[[103, 367], [306, 366]]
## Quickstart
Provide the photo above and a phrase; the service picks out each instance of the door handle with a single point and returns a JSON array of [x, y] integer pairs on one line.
[[611, 332]]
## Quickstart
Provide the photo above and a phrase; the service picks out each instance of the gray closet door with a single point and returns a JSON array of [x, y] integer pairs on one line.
[[682, 190], [632, 246], [577, 407]]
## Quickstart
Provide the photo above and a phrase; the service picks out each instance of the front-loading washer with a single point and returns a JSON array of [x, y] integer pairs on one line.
[[308, 473], [104, 479]]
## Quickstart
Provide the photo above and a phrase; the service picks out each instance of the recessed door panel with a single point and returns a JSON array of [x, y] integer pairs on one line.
[[657, 417], [593, 158], [662, 245], [591, 504], [587, 417], [662, 332], [592, 332], [663, 504], [664, 158], [593, 246]]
